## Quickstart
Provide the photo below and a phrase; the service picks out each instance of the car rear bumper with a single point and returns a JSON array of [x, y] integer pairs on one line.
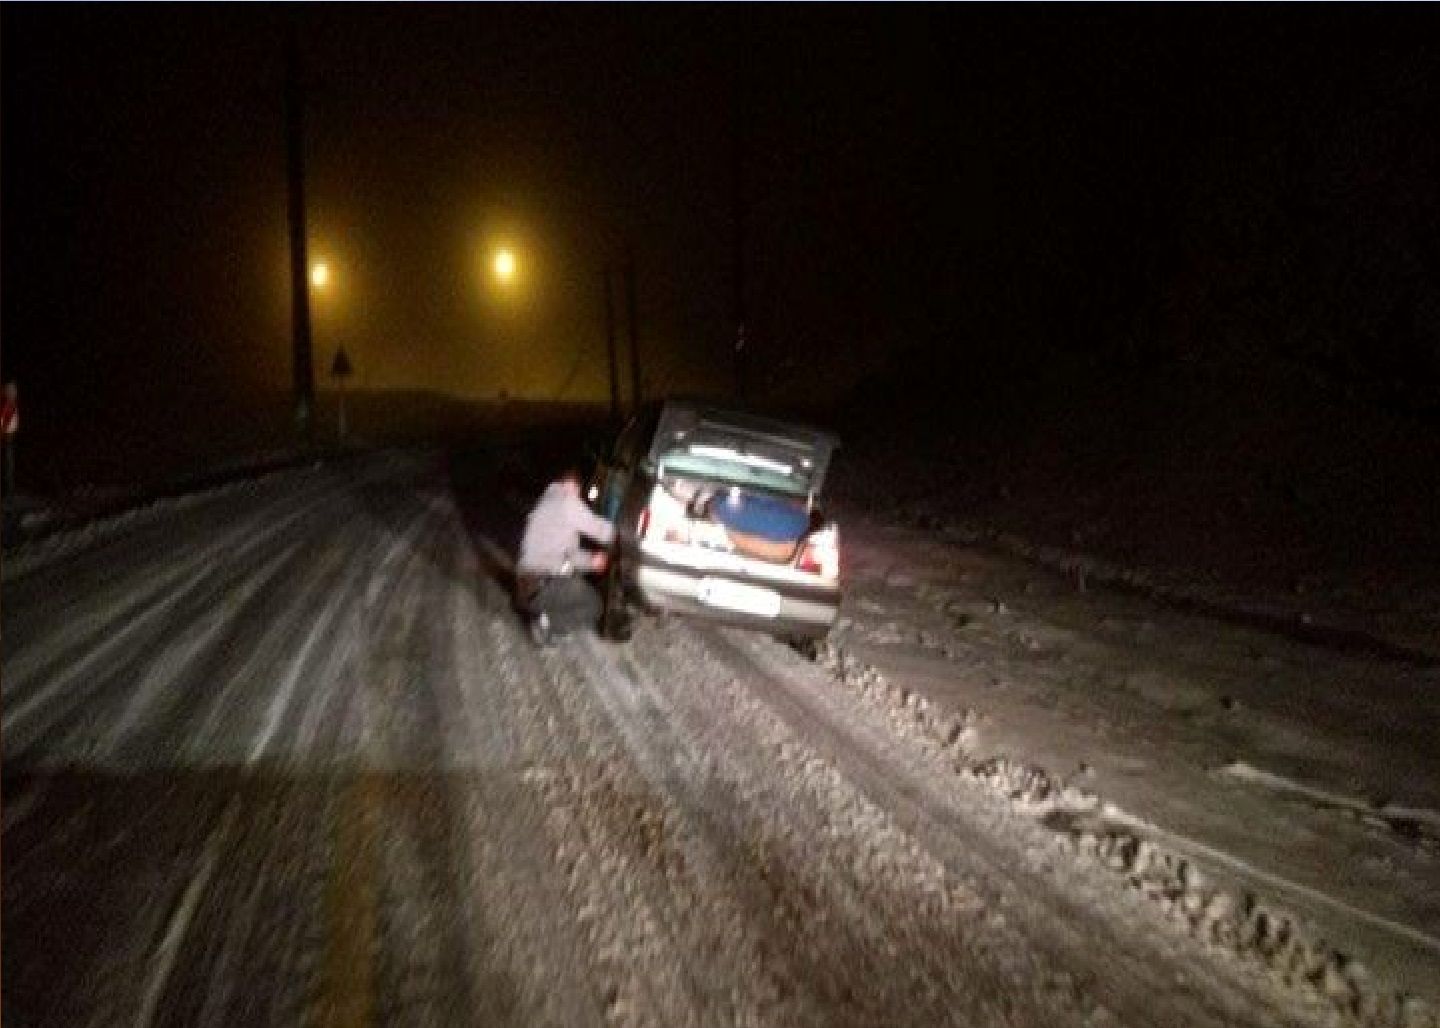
[[808, 612]]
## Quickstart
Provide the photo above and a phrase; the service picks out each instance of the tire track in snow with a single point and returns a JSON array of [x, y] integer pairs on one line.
[[143, 621], [130, 583], [509, 748], [175, 931], [344, 571], [392, 952], [172, 670], [1073, 928], [894, 918]]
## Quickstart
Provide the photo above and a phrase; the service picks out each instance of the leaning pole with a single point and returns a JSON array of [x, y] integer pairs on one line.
[[302, 360]]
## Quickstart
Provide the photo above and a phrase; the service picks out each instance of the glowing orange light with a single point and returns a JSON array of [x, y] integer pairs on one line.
[[505, 265], [319, 274]]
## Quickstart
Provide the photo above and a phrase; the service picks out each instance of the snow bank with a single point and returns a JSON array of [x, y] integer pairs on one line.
[[1199, 901]]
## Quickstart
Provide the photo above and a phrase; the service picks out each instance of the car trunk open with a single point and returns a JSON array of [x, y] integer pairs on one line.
[[742, 450]]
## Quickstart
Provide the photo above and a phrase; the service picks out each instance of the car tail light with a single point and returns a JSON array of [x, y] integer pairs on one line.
[[664, 518], [821, 554]]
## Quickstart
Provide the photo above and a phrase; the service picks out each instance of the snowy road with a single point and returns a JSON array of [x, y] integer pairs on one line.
[[285, 757]]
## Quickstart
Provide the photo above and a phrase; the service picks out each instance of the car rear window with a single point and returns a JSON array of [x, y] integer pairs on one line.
[[732, 468]]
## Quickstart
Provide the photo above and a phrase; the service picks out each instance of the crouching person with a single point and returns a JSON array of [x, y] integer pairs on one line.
[[550, 587]]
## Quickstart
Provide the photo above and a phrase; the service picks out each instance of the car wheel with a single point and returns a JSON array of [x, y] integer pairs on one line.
[[615, 623]]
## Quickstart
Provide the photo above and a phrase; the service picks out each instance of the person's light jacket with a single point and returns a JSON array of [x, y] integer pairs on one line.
[[551, 543]]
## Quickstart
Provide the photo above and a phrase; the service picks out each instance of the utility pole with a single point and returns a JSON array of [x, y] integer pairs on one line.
[[739, 212], [302, 356], [340, 370], [610, 349], [630, 318]]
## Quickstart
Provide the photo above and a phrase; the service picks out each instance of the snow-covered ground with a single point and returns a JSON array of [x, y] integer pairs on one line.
[[283, 754], [1301, 781]]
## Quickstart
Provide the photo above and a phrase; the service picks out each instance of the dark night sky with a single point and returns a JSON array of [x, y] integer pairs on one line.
[[934, 183]]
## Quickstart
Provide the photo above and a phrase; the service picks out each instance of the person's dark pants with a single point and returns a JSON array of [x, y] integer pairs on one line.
[[570, 602], [9, 466]]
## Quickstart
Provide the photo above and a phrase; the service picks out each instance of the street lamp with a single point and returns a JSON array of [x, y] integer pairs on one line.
[[504, 265], [319, 274]]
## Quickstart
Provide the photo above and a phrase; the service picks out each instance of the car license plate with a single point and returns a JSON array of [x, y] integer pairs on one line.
[[746, 599]]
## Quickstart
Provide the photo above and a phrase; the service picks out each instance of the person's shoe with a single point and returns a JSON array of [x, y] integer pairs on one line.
[[540, 630]]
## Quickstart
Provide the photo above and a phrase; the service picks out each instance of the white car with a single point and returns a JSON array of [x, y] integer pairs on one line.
[[717, 515]]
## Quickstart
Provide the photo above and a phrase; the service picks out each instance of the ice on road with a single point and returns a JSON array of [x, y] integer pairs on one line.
[[286, 757]]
